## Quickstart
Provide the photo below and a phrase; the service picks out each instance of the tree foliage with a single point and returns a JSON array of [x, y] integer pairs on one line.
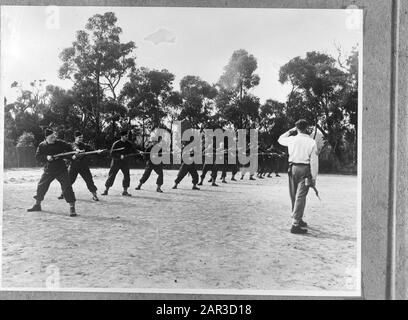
[[319, 91], [98, 61], [109, 93], [147, 95], [234, 102], [197, 101]]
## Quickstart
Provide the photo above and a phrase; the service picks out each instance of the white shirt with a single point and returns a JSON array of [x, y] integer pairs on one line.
[[302, 149]]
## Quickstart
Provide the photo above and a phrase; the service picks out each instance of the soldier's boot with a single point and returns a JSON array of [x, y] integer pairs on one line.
[[298, 230], [36, 207], [302, 224], [72, 212], [95, 196]]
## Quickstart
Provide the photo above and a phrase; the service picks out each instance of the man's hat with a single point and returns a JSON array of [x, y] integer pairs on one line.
[[124, 133], [48, 132], [77, 134]]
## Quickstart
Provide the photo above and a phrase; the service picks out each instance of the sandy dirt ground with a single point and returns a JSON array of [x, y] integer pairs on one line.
[[235, 236]]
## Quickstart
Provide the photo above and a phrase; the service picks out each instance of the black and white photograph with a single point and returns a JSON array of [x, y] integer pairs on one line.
[[182, 149]]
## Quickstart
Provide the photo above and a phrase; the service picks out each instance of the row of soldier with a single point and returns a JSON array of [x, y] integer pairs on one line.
[[64, 162]]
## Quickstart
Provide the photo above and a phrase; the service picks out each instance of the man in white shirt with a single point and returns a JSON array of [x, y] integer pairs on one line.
[[303, 169]]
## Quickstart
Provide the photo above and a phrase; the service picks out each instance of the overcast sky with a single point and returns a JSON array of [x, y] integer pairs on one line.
[[185, 41]]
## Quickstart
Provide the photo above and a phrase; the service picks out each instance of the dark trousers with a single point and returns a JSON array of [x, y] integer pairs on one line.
[[274, 166], [187, 168], [117, 165], [85, 173], [62, 178], [209, 167], [148, 170], [261, 166], [298, 189], [229, 167]]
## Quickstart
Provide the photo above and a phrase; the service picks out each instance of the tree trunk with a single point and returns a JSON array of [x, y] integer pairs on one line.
[[113, 130], [314, 137], [97, 114], [171, 141], [143, 133], [355, 156]]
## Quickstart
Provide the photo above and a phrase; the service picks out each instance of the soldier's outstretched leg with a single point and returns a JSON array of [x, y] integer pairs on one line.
[[181, 174], [224, 172], [270, 168], [277, 168], [113, 171], [87, 176], [206, 168], [234, 172], [67, 191], [214, 175], [194, 176], [146, 175], [126, 180], [73, 174], [42, 188], [159, 181]]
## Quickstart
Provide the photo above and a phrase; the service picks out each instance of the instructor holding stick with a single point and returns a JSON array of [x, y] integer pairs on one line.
[[303, 169]]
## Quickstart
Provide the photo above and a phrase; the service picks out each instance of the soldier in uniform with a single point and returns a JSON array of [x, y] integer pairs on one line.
[[54, 168], [261, 161], [275, 156], [227, 166], [187, 168], [210, 166], [150, 166], [251, 173], [272, 162], [79, 165], [120, 161]]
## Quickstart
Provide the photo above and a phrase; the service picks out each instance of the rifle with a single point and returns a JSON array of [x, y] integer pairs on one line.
[[137, 153], [66, 154], [99, 151], [87, 153], [82, 153], [132, 154]]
